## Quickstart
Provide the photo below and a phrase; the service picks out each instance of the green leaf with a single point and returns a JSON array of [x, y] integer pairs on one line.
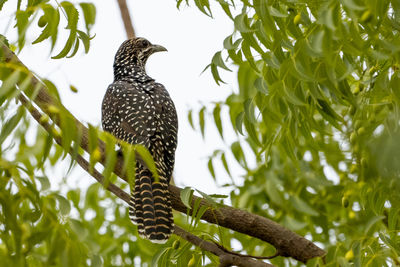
[[217, 60], [293, 224], [190, 119], [315, 262], [242, 23], [204, 6], [371, 222], [2, 2], [249, 110], [238, 153], [199, 213], [129, 158], [251, 130], [22, 18], [96, 261], [217, 119], [195, 211], [52, 89], [316, 42], [72, 15], [328, 16], [276, 13], [239, 122], [9, 84], [89, 14], [225, 164], [393, 218], [68, 128], [10, 125], [148, 160], [76, 47], [3, 39], [93, 138], [44, 181], [64, 204], [111, 159], [290, 95], [248, 55], [85, 40], [74, 196], [273, 193], [251, 40], [68, 46], [52, 17], [261, 86], [209, 199], [211, 168], [215, 74], [186, 196], [78, 227], [302, 206], [329, 114], [156, 261], [228, 45], [201, 120], [225, 7], [352, 5]]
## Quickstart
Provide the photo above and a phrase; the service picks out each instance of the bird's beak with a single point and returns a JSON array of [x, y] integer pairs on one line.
[[158, 48]]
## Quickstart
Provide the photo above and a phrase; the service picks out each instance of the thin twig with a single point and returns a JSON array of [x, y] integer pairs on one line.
[[126, 18]]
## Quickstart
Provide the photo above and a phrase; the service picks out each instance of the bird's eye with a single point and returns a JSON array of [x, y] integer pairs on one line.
[[145, 43]]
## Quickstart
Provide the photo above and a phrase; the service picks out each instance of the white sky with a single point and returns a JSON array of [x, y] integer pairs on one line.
[[191, 39]]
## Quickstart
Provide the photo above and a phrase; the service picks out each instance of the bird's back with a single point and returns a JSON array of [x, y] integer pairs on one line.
[[138, 110], [143, 113]]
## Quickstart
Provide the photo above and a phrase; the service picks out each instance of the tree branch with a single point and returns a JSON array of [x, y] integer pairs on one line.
[[126, 18], [285, 241], [226, 257]]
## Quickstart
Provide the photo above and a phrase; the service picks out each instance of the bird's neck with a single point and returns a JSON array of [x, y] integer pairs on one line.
[[130, 73]]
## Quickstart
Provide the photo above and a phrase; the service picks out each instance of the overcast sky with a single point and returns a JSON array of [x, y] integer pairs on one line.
[[191, 39]]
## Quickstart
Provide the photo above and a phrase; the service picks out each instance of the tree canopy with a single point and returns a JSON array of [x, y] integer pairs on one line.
[[316, 121]]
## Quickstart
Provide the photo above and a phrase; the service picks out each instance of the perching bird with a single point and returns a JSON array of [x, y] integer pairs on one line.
[[139, 110]]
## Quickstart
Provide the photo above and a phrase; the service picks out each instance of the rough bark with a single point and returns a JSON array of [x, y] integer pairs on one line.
[[226, 257], [285, 241]]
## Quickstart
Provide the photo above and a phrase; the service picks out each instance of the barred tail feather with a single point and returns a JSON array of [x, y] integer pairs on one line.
[[162, 210], [150, 207], [146, 198], [135, 208]]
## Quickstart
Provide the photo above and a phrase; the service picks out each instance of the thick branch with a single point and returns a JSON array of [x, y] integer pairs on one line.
[[285, 241], [226, 257], [126, 18]]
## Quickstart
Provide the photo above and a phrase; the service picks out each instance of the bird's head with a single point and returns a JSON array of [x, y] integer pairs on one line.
[[136, 51]]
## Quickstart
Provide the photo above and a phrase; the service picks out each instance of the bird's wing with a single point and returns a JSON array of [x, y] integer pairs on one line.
[[168, 125], [166, 109], [133, 111]]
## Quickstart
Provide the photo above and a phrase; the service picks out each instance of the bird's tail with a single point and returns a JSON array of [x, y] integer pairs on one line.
[[150, 207]]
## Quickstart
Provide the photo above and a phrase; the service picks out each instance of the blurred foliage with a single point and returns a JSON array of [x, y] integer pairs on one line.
[[50, 16], [316, 115], [46, 221]]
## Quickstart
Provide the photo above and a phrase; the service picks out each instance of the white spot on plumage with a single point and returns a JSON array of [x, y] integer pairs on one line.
[[131, 99]]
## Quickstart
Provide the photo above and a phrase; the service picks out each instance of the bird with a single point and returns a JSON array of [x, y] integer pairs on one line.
[[139, 110]]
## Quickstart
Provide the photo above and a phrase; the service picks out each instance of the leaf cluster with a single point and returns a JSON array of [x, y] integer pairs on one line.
[[50, 17], [316, 118]]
